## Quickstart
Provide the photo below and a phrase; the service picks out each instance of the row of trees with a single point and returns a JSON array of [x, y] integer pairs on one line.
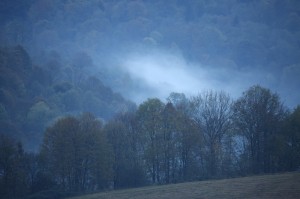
[[203, 137], [74, 157]]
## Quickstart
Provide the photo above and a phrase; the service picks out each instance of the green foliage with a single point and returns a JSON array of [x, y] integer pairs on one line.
[[182, 140], [33, 95], [150, 124], [77, 154], [247, 34], [169, 138], [40, 113]]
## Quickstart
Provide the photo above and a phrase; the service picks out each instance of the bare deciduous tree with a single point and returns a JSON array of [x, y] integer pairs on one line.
[[212, 113]]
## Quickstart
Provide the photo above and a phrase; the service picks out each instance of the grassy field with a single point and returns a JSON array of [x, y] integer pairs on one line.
[[285, 186]]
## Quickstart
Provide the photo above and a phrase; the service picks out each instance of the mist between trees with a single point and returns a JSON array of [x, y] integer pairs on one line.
[[207, 136]]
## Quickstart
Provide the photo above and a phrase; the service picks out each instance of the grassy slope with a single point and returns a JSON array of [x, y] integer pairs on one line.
[[268, 186]]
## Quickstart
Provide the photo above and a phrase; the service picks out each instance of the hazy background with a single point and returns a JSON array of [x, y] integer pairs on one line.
[[144, 48], [102, 55]]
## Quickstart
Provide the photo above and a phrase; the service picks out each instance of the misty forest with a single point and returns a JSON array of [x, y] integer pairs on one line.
[[98, 95]]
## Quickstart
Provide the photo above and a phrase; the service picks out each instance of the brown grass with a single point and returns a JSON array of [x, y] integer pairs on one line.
[[276, 186]]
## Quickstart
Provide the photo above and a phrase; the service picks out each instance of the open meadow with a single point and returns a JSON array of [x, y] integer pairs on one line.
[[276, 186]]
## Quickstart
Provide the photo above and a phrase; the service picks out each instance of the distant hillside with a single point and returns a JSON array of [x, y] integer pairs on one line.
[[230, 38], [266, 186], [33, 96]]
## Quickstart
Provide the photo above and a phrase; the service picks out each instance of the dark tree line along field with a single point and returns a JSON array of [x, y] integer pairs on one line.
[[207, 136], [65, 129]]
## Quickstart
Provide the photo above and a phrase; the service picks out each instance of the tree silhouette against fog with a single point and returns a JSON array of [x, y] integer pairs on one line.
[[258, 116], [212, 113]]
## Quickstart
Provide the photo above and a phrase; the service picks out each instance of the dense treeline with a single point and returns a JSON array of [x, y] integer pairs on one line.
[[32, 96], [75, 47], [184, 139]]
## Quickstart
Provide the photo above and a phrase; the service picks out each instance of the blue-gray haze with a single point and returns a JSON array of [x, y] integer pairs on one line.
[[149, 48]]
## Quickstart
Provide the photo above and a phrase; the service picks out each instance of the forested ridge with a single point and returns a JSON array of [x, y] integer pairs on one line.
[[33, 96], [240, 41], [68, 123], [208, 136]]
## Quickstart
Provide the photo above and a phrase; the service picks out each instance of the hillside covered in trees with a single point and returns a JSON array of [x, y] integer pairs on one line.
[[225, 45], [33, 96], [110, 94]]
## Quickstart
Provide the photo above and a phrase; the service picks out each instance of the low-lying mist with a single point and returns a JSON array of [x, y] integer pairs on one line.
[[160, 72], [151, 48]]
